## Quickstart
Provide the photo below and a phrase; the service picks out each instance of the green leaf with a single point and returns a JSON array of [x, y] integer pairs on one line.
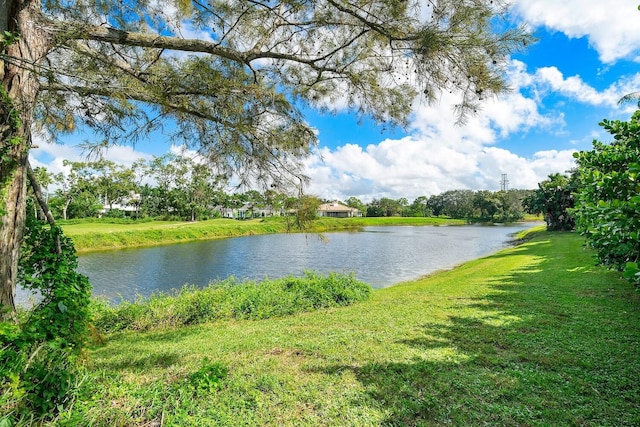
[[62, 307], [631, 271]]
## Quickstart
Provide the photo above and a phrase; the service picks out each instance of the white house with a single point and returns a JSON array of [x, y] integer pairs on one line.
[[337, 210]]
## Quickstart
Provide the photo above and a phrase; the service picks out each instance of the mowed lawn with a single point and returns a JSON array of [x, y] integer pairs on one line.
[[110, 235], [105, 235], [89, 227], [534, 335]]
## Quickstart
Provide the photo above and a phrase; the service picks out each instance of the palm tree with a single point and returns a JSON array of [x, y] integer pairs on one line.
[[630, 97]]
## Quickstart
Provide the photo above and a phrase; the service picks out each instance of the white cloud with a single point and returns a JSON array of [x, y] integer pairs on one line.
[[611, 26], [416, 166], [439, 156], [575, 88]]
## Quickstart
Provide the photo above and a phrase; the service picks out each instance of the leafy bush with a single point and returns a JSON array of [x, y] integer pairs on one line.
[[230, 299], [608, 208], [38, 361], [115, 213], [105, 220], [554, 199]]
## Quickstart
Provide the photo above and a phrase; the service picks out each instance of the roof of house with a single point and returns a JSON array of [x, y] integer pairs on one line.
[[335, 207]]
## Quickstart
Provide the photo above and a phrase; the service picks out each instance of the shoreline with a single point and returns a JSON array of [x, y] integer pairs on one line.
[[107, 236]]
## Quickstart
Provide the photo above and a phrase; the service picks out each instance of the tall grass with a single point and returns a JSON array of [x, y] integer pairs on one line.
[[230, 299]]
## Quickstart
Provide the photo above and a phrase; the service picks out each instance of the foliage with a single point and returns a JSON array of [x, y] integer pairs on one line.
[[608, 208], [354, 202], [554, 199], [38, 363], [306, 210], [385, 206], [78, 193], [187, 189], [231, 299], [482, 205], [419, 208], [208, 378], [373, 55]]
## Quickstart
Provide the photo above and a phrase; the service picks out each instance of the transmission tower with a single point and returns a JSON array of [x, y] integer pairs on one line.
[[504, 183]]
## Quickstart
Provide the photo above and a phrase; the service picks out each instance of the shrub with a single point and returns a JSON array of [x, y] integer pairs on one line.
[[38, 361], [608, 208], [555, 200], [230, 299]]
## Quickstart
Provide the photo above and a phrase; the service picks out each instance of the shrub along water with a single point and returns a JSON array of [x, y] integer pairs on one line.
[[39, 353], [231, 299]]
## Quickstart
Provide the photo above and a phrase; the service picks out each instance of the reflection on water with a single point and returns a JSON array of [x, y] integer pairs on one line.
[[380, 256]]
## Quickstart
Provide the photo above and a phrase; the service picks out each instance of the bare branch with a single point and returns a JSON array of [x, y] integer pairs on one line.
[[37, 191]]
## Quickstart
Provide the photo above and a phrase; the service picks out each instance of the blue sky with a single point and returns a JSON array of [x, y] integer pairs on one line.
[[586, 58]]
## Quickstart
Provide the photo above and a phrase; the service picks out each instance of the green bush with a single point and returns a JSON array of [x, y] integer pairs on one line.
[[39, 355], [554, 198], [608, 208], [116, 219], [231, 299]]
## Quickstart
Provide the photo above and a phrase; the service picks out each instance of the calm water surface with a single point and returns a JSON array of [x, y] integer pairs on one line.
[[380, 256]]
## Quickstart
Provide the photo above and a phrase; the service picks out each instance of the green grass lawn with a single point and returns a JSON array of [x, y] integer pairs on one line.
[[532, 336]]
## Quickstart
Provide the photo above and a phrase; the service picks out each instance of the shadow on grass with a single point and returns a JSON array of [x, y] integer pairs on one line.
[[143, 362], [552, 344], [134, 352]]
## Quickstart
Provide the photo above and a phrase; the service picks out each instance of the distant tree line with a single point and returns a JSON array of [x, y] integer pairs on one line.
[[501, 206], [182, 188], [186, 189]]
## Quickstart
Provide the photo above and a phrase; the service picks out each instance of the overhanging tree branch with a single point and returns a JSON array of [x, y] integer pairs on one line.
[[134, 96]]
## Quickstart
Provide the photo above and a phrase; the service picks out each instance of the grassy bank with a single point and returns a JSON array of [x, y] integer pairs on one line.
[[92, 236], [533, 335]]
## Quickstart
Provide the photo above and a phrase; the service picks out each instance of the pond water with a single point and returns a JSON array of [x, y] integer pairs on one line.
[[380, 256]]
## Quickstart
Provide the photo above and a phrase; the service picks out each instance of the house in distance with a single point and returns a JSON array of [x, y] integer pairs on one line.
[[337, 210]]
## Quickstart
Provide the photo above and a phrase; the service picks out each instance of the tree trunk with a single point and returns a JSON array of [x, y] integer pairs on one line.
[[18, 95], [11, 231], [64, 209]]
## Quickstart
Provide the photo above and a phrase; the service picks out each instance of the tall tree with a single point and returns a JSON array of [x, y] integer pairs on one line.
[[77, 190], [487, 203], [113, 183], [457, 203], [555, 199], [354, 202], [420, 207], [124, 68]]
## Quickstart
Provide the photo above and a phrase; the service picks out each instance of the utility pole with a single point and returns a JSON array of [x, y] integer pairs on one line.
[[504, 183]]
